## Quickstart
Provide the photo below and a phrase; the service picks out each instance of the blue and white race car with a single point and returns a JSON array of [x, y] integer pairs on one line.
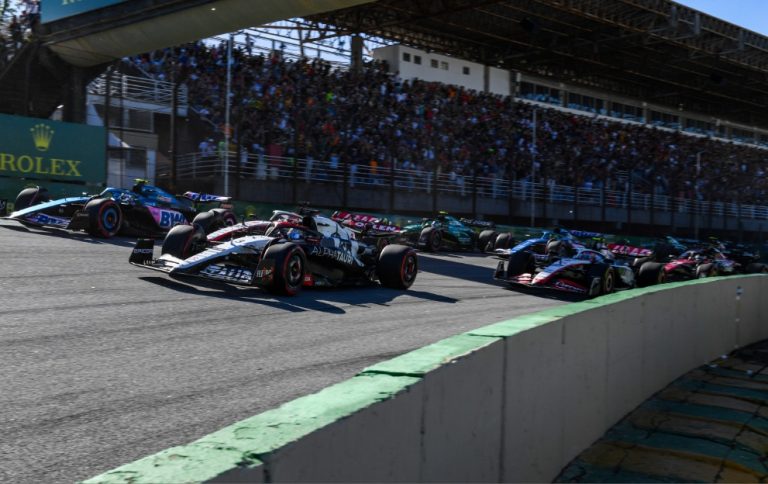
[[144, 210]]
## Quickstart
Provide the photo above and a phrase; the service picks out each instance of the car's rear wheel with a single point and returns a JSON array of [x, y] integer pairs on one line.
[[756, 268], [651, 273], [30, 196], [104, 217], [503, 241], [431, 239], [183, 241], [214, 219], [706, 270], [486, 239], [290, 265], [397, 266]]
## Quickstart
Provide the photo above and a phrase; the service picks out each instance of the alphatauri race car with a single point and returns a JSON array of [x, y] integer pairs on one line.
[[294, 250], [145, 210], [587, 272]]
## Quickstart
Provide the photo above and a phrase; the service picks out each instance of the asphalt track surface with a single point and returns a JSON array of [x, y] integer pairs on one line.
[[104, 363]]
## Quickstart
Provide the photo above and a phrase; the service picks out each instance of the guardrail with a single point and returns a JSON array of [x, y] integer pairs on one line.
[[263, 167], [138, 89], [515, 401]]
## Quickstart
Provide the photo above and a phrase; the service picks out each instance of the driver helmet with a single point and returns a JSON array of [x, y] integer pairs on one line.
[[295, 234]]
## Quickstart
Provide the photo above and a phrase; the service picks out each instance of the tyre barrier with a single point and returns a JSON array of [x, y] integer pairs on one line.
[[512, 401]]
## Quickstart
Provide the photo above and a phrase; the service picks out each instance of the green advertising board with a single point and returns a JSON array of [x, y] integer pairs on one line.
[[51, 10], [43, 152]]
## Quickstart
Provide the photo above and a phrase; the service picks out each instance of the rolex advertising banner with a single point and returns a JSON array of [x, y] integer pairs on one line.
[[41, 152], [51, 10]]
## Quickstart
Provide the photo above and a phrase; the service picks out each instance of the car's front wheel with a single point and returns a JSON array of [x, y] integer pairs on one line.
[[289, 264], [104, 217], [30, 196], [183, 241]]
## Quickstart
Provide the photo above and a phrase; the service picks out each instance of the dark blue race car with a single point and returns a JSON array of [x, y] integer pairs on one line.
[[144, 210]]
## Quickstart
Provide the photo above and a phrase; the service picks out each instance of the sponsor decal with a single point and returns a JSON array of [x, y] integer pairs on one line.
[[143, 251], [480, 223], [166, 218], [43, 219], [568, 285], [629, 250], [228, 273], [335, 254], [264, 272], [309, 280]]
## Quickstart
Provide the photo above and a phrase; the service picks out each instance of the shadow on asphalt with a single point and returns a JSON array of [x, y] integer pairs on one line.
[[546, 293], [70, 235], [306, 300], [478, 268]]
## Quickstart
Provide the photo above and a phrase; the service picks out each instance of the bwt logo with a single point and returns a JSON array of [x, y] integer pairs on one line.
[[169, 219]]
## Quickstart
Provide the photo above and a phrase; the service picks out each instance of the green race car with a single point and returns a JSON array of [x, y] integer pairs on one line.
[[445, 232]]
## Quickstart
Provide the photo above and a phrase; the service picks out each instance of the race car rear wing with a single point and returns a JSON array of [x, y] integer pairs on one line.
[[361, 221], [629, 250], [224, 202], [477, 223]]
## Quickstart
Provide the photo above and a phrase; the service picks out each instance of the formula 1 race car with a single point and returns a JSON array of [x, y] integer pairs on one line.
[[443, 232], [144, 210], [587, 272], [691, 264], [557, 243], [294, 250]]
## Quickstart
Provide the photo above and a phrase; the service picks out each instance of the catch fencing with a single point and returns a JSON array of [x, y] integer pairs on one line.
[[307, 170]]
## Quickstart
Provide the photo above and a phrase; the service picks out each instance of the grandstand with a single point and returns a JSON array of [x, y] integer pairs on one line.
[[670, 99]]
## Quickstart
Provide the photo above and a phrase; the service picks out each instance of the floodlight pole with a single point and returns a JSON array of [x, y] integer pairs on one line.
[[696, 195], [533, 171], [226, 113]]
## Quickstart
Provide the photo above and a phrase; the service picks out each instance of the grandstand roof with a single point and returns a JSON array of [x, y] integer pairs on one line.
[[654, 50]]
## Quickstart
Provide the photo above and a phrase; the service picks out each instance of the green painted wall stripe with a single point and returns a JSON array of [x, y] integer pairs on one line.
[[244, 443], [419, 362]]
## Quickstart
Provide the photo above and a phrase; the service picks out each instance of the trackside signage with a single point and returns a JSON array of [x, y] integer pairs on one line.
[[51, 10], [40, 149]]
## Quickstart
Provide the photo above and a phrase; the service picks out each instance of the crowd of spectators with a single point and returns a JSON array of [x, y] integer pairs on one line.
[[16, 24], [307, 108]]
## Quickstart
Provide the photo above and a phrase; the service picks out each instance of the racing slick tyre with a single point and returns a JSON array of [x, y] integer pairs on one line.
[[651, 273], [503, 241], [557, 249], [30, 196], [706, 270], [431, 239], [290, 265], [397, 267], [214, 219], [104, 217], [486, 240], [183, 241], [601, 280], [520, 263], [227, 216], [756, 268]]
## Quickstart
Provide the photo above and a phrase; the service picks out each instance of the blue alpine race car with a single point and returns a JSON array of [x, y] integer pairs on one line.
[[144, 210]]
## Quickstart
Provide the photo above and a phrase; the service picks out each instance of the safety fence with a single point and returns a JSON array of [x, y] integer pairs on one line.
[[307, 170]]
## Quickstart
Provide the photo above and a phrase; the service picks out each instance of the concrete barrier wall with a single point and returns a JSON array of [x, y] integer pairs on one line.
[[513, 401]]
